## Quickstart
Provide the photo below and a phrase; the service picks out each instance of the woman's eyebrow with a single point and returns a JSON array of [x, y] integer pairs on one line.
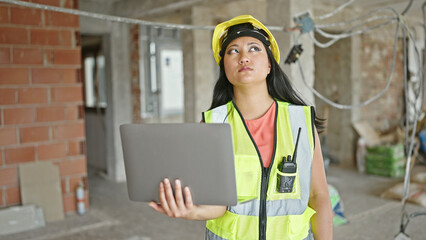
[[233, 45], [252, 43]]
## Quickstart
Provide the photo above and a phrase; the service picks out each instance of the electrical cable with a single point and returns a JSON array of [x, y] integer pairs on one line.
[[349, 31], [338, 9], [407, 8], [336, 37], [106, 17], [343, 106], [410, 140], [339, 24], [128, 20]]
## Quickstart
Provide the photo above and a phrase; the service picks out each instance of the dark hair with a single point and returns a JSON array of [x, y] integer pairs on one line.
[[278, 84]]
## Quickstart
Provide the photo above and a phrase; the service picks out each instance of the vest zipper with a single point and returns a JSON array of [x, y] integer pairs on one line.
[[265, 173]]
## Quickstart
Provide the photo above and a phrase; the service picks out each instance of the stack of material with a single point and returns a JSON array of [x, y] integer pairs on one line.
[[385, 160]]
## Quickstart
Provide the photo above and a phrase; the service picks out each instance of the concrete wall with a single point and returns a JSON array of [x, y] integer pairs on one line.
[[116, 48], [41, 100], [335, 77]]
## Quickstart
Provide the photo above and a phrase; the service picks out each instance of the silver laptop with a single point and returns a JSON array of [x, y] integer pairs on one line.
[[200, 155]]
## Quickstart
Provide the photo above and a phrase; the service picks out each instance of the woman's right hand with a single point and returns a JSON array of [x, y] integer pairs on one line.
[[176, 206]]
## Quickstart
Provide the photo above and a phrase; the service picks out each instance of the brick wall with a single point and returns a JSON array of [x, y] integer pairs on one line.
[[41, 99], [385, 113]]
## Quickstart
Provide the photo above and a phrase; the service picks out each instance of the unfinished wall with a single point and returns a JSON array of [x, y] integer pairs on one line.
[[41, 112], [334, 67], [386, 112]]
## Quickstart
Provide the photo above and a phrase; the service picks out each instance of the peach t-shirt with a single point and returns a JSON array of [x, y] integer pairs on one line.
[[262, 131]]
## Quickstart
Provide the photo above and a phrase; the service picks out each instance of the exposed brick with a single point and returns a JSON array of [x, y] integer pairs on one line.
[[34, 134], [65, 38], [55, 3], [32, 95], [9, 176], [83, 147], [25, 16], [18, 115], [49, 37], [72, 167], [80, 112], [52, 151], [13, 76], [54, 75], [69, 130], [67, 56], [50, 114], [71, 4], [4, 14], [76, 148], [62, 19], [13, 196], [19, 155], [73, 183], [13, 35], [71, 112], [77, 36], [64, 185], [27, 56], [4, 55], [69, 202], [7, 96], [8, 137], [67, 94]]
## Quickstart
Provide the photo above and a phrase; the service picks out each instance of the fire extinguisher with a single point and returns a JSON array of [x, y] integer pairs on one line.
[[81, 207]]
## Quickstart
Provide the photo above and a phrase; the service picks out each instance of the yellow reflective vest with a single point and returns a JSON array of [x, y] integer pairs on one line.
[[262, 211]]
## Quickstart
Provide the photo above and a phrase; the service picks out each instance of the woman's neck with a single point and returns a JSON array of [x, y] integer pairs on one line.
[[252, 103]]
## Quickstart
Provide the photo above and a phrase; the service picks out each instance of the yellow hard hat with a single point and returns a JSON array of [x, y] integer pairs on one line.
[[221, 31]]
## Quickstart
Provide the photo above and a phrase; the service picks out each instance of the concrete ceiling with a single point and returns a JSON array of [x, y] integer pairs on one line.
[[139, 8], [398, 5]]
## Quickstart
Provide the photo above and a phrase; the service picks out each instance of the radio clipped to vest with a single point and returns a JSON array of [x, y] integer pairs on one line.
[[288, 166]]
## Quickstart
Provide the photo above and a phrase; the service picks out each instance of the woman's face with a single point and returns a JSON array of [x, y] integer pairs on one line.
[[246, 62]]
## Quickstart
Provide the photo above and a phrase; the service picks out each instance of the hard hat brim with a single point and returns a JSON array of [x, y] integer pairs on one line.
[[222, 28]]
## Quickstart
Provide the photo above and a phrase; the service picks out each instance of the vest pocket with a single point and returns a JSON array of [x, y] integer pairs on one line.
[[276, 176], [248, 177]]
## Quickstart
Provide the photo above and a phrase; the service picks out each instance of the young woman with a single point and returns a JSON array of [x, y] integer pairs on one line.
[[281, 185]]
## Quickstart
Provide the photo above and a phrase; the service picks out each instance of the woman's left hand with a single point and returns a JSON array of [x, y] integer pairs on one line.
[[174, 205]]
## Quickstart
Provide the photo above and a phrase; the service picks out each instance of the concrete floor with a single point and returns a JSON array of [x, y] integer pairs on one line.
[[113, 216]]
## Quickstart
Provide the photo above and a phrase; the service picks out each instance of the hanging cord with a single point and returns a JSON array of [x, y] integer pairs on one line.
[[341, 36], [338, 9], [350, 32], [407, 8], [354, 20], [127, 20], [342, 106], [107, 17], [405, 218]]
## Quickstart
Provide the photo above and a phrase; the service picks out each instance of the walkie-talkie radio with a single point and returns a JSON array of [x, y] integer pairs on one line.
[[288, 165]]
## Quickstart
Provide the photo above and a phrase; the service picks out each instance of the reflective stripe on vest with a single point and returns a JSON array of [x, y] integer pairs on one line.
[[283, 208], [212, 236]]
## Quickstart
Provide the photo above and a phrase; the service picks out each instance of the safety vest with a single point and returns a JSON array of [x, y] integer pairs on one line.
[[262, 211]]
